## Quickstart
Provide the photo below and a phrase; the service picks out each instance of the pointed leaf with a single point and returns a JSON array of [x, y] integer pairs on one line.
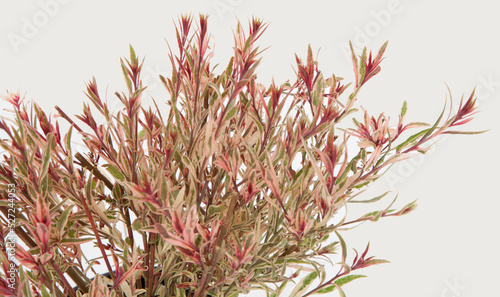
[[115, 172], [304, 284], [338, 283], [347, 279], [403, 109], [344, 247], [63, 219], [375, 199]]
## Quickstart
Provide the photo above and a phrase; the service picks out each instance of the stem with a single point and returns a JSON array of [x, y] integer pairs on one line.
[[205, 279], [48, 282], [422, 141], [64, 280], [151, 264], [266, 135], [81, 281], [228, 291], [215, 187], [146, 251], [329, 282], [129, 226], [349, 104], [97, 236], [65, 116], [94, 170]]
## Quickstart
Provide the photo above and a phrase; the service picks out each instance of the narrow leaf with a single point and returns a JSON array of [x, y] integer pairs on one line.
[[302, 286], [403, 109], [347, 279], [115, 172], [344, 247]]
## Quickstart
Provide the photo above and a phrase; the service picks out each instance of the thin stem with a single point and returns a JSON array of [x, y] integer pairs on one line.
[[329, 282], [65, 116], [86, 164], [128, 223], [63, 279], [151, 267], [97, 236], [48, 281], [207, 275]]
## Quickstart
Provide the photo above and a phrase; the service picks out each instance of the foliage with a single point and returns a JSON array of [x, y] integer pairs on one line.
[[240, 188]]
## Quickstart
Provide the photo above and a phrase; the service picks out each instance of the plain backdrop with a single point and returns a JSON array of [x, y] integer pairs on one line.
[[446, 248]]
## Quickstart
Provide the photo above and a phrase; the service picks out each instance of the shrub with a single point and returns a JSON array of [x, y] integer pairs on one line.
[[239, 188]]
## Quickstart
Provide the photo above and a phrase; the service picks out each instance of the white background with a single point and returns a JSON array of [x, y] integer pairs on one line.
[[449, 246]]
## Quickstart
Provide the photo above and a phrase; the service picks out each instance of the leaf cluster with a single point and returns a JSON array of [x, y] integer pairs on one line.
[[239, 187]]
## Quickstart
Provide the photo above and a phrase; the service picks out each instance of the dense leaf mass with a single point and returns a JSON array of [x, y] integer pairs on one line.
[[239, 188]]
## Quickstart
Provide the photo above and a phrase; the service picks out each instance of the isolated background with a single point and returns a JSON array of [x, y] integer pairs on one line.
[[449, 246]]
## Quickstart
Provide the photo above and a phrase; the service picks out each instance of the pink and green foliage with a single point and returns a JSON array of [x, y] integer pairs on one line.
[[228, 193]]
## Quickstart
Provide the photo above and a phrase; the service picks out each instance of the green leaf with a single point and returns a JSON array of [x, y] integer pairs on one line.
[[77, 240], [181, 292], [376, 215], [133, 56], [19, 138], [126, 76], [376, 261], [347, 279], [466, 132], [417, 124], [46, 156], [375, 199], [189, 58], [344, 247], [115, 172], [7, 203], [141, 134], [45, 293], [258, 123], [117, 191], [430, 130], [362, 66], [403, 109], [63, 219], [341, 293], [68, 141], [181, 132], [302, 286], [230, 114], [279, 290], [353, 56], [24, 280], [338, 283], [137, 225], [215, 209], [387, 209], [327, 289], [229, 68], [382, 49], [412, 139], [313, 163]]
